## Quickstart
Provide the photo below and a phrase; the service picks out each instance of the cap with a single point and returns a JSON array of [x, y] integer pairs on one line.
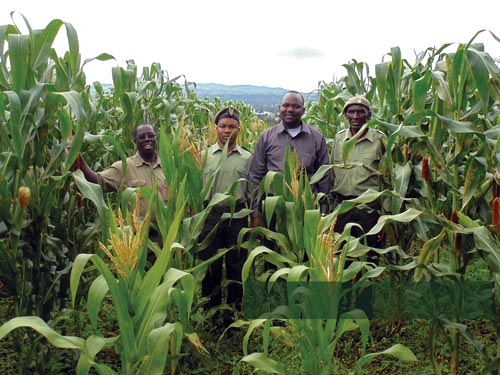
[[228, 112], [360, 100]]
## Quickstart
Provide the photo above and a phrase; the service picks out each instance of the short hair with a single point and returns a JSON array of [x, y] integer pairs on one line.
[[138, 126], [296, 93]]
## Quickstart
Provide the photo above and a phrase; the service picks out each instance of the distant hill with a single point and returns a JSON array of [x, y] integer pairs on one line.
[[261, 98]]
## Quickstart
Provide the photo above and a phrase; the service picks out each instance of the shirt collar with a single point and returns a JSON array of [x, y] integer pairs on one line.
[[215, 148], [138, 160], [368, 135], [281, 127]]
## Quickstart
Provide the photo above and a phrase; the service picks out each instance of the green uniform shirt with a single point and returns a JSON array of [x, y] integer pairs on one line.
[[233, 168], [138, 175], [359, 173]]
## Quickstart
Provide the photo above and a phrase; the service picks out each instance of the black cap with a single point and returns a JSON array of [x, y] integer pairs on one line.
[[228, 112]]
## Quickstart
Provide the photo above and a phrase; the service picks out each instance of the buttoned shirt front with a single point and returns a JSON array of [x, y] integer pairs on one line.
[[225, 173], [359, 171], [269, 154], [139, 174]]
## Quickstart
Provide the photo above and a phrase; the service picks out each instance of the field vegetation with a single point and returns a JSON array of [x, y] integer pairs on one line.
[[78, 293]]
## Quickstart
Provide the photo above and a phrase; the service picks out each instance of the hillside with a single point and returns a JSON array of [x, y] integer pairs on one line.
[[261, 98]]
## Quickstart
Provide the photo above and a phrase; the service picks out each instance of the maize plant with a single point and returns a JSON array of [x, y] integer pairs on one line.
[[316, 310]]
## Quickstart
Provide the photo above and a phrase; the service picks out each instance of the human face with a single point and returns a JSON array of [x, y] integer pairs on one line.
[[291, 110], [145, 140], [357, 116], [227, 130]]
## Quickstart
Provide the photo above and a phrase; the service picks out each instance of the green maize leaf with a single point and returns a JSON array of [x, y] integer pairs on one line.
[[100, 57], [320, 173], [381, 74], [457, 76], [442, 86], [468, 336], [486, 242], [157, 271], [427, 251], [65, 124], [36, 323], [348, 146], [54, 162], [76, 273], [402, 175], [296, 274], [121, 301], [91, 191], [94, 345], [159, 343], [187, 281], [19, 52], [282, 272], [401, 352], [344, 325], [5, 30], [420, 89], [492, 133], [404, 217], [16, 124], [458, 126], [271, 179], [263, 363], [255, 323], [97, 291], [35, 96], [74, 48], [269, 255], [43, 43], [311, 227], [398, 351], [401, 130], [154, 313], [362, 321], [270, 204], [480, 74], [75, 102], [474, 178], [294, 226]]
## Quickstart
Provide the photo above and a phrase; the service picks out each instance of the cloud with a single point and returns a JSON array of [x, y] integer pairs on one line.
[[303, 52]]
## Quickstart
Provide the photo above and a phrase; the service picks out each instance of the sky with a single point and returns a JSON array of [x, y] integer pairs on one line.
[[291, 44]]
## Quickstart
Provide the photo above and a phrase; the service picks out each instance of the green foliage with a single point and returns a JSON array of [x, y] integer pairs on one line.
[[441, 203]]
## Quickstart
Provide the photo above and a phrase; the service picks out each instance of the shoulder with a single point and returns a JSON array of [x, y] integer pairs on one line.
[[378, 134], [341, 134], [311, 128], [211, 149], [246, 153]]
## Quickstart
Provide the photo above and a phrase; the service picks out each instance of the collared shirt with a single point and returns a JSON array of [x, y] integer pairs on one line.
[[269, 154], [138, 175], [359, 172], [225, 173]]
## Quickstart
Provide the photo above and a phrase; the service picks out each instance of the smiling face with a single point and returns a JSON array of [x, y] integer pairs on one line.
[[145, 141], [357, 115], [227, 130], [291, 109]]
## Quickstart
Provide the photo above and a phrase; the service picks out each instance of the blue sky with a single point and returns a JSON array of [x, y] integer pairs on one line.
[[290, 44]]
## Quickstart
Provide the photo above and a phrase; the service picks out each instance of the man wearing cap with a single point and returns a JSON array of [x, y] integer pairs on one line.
[[291, 132], [221, 172], [358, 172]]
